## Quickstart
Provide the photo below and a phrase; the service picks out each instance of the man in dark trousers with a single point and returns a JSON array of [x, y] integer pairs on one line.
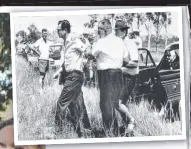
[[110, 52], [130, 71], [71, 97]]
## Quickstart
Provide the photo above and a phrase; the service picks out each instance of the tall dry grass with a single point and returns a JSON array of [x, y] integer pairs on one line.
[[36, 109]]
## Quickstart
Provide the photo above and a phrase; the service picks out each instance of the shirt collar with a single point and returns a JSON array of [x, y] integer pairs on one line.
[[42, 40], [69, 37]]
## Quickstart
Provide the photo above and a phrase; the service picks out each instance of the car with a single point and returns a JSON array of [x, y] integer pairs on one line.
[[160, 83], [55, 51], [55, 54]]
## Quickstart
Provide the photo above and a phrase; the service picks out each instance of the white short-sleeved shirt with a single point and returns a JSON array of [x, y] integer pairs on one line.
[[43, 47], [138, 42], [110, 52], [73, 53], [133, 56]]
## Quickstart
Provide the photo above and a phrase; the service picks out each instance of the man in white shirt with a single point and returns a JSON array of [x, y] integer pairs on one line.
[[130, 71], [138, 41], [110, 52], [71, 97], [43, 51]]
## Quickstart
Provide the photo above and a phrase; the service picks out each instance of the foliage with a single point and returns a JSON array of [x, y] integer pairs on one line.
[[5, 43], [34, 34], [36, 122]]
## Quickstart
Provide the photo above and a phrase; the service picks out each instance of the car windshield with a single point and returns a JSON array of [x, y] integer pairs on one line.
[[56, 48]]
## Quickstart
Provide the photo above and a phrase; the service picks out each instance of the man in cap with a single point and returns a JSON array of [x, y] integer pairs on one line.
[[110, 52], [130, 71], [71, 97]]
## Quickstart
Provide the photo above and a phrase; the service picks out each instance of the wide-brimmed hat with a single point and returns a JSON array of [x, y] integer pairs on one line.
[[120, 24]]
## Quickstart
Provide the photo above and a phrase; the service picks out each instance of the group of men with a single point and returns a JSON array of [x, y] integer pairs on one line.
[[116, 57], [117, 62]]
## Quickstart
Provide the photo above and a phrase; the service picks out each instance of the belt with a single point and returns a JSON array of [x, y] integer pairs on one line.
[[110, 70], [75, 72]]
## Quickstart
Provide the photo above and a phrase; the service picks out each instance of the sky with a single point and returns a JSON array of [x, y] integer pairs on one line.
[[21, 23]]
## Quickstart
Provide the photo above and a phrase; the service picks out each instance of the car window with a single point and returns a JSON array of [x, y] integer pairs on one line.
[[58, 48], [173, 59], [55, 48], [145, 59]]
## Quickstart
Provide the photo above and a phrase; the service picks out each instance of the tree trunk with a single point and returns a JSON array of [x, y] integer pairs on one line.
[[166, 29], [138, 22], [166, 40], [3, 39], [149, 36]]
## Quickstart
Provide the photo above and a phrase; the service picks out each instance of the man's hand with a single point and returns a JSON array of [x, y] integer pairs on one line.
[[55, 76], [132, 64]]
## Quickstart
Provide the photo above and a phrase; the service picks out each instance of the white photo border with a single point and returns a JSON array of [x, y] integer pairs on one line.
[[177, 9]]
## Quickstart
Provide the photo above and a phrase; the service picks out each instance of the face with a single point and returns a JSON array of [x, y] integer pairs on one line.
[[91, 41], [44, 34], [119, 33], [101, 33], [61, 33], [7, 139]]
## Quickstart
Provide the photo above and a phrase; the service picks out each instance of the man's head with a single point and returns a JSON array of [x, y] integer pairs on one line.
[[104, 28], [136, 34], [63, 28], [44, 33], [121, 28]]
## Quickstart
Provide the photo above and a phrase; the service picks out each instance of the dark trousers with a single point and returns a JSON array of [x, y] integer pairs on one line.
[[43, 68], [71, 98], [110, 85], [129, 82]]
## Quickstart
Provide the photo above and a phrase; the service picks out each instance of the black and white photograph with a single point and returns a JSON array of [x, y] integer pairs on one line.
[[90, 76]]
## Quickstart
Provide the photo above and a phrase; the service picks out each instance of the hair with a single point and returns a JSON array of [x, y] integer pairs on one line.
[[65, 25], [22, 33], [44, 30], [6, 123], [105, 21]]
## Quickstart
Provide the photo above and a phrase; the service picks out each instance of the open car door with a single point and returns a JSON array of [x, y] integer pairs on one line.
[[147, 74]]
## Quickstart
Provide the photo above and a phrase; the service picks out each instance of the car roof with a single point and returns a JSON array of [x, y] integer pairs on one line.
[[172, 46]]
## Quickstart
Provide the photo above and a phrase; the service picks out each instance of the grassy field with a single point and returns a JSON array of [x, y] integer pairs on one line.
[[36, 110]]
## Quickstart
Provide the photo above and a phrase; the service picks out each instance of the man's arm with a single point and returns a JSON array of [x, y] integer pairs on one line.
[[96, 49], [57, 73], [125, 54], [35, 46], [134, 55]]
